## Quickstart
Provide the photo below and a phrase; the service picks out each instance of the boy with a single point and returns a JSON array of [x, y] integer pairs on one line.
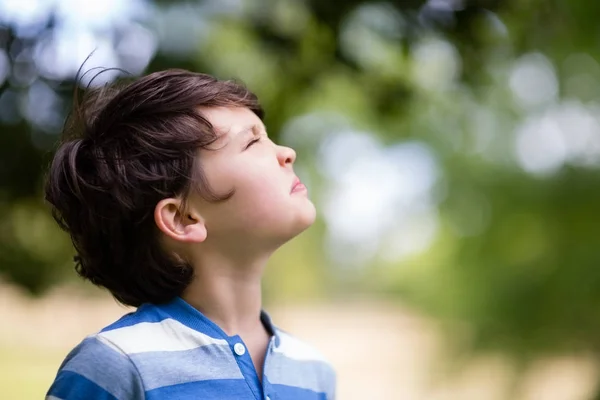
[[175, 197]]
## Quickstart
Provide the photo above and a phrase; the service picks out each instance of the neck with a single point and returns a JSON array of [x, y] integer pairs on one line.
[[228, 292]]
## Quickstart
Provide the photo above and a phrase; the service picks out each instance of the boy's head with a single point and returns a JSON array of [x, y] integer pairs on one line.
[[153, 173]]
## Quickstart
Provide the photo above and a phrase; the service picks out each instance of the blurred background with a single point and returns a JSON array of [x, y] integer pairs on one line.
[[452, 148]]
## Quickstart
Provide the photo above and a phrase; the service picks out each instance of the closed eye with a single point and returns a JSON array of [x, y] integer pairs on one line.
[[253, 141]]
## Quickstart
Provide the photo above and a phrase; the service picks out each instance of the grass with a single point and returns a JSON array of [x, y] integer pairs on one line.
[[27, 373]]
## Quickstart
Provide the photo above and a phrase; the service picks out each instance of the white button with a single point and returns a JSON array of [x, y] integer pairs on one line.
[[267, 398], [239, 349]]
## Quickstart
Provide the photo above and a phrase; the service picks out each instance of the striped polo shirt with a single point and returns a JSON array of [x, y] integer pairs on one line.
[[172, 351]]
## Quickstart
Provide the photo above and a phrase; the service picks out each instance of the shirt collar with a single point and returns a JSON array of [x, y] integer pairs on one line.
[[185, 313]]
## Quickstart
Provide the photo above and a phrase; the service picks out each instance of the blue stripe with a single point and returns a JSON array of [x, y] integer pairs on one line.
[[222, 389], [283, 392], [107, 368], [313, 375], [72, 386], [166, 368], [247, 369]]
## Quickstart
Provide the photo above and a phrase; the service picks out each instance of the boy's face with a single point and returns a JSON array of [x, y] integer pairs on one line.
[[267, 207]]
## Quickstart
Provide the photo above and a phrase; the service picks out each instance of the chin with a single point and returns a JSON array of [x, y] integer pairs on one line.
[[305, 219], [311, 216], [306, 214], [298, 224]]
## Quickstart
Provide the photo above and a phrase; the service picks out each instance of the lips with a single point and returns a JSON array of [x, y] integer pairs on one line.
[[297, 186]]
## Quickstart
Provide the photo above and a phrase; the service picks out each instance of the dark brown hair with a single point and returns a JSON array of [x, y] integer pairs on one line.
[[125, 148]]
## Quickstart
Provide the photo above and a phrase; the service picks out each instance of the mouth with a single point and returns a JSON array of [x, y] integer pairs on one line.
[[297, 186]]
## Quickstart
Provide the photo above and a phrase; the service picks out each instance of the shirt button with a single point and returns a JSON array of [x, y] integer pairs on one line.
[[239, 349], [267, 398]]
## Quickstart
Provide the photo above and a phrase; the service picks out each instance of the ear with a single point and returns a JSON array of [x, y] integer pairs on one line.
[[188, 227]]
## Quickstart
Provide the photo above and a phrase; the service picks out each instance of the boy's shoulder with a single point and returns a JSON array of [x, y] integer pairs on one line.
[[305, 359], [156, 328], [124, 359], [116, 337], [299, 364], [95, 368], [295, 348], [102, 341]]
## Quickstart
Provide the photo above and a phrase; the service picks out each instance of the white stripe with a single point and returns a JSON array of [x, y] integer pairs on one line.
[[52, 398], [166, 335], [295, 349]]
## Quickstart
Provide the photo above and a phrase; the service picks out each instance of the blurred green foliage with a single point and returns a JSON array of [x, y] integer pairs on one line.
[[516, 251]]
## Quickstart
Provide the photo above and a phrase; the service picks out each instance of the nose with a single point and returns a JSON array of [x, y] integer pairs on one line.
[[286, 155]]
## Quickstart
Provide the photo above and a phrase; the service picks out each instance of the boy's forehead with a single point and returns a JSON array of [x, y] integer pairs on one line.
[[230, 120]]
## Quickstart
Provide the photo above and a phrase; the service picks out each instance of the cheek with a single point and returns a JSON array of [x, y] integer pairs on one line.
[[261, 191], [258, 179], [261, 197], [261, 188]]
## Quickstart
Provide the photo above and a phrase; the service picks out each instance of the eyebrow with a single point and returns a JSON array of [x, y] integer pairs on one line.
[[244, 130], [253, 127]]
